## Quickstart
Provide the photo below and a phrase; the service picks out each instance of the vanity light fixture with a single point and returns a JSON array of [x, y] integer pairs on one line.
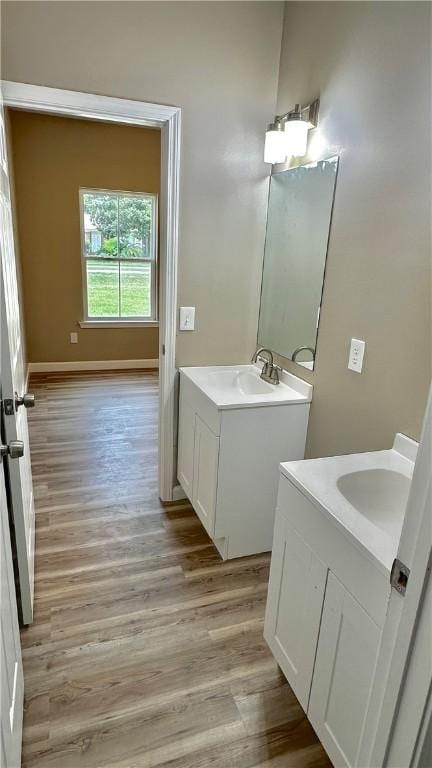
[[287, 136], [275, 141]]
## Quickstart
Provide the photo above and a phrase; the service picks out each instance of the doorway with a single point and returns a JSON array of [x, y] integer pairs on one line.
[[167, 119]]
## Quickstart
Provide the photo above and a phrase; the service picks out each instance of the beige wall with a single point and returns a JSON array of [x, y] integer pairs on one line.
[[52, 158], [219, 63], [370, 65]]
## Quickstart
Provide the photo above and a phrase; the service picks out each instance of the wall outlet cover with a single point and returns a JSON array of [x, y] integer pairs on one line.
[[357, 350], [74, 338], [187, 319]]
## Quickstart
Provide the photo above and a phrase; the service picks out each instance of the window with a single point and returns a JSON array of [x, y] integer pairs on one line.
[[118, 233]]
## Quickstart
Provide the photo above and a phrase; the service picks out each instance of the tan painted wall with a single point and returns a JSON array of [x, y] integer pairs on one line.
[[219, 63], [52, 158], [370, 65]]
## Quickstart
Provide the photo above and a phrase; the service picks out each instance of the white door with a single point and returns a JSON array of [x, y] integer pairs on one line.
[[403, 621], [186, 439], [343, 675], [411, 742], [12, 683], [11, 673], [295, 598], [13, 384], [206, 462]]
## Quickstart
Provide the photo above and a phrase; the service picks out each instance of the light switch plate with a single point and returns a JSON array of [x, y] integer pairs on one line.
[[357, 349], [187, 318], [74, 338]]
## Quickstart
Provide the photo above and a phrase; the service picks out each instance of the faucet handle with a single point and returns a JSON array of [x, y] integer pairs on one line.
[[274, 373]]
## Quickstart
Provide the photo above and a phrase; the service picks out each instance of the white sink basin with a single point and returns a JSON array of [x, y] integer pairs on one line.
[[365, 493], [379, 494], [245, 382], [240, 386]]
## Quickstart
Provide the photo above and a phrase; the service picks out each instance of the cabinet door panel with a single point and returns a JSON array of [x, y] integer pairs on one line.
[[206, 460], [344, 669], [186, 439], [295, 598]]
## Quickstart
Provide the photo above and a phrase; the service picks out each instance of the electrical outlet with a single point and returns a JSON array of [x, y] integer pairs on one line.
[[74, 338], [357, 350]]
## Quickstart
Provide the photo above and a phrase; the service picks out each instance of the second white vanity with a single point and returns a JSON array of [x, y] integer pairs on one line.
[[337, 528], [234, 430]]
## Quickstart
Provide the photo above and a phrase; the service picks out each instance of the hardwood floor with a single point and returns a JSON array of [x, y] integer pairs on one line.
[[146, 650]]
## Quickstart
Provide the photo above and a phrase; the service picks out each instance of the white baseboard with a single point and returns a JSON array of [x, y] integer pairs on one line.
[[178, 493], [92, 365]]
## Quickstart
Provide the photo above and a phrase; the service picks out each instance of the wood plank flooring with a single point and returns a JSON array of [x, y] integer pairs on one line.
[[147, 650]]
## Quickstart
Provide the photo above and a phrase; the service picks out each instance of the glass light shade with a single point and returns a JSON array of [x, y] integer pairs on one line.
[[275, 147], [296, 132]]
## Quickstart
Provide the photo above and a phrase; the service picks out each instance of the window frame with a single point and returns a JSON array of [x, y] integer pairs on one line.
[[113, 320]]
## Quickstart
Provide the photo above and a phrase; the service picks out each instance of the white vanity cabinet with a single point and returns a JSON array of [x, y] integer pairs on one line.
[[325, 611], [296, 593], [205, 473], [198, 454], [229, 450], [186, 445], [343, 675]]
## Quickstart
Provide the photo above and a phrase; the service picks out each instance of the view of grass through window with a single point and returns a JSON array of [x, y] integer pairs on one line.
[[106, 283], [119, 254]]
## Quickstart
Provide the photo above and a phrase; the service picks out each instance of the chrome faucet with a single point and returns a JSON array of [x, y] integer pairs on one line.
[[270, 371], [302, 349]]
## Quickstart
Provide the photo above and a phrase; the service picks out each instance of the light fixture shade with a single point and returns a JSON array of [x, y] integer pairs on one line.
[[275, 144], [296, 132]]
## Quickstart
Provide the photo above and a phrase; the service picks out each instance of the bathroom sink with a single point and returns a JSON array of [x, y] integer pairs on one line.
[[379, 494], [365, 493], [246, 382], [240, 386]]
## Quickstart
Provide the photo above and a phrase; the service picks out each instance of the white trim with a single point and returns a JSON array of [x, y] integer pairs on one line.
[[169, 214], [41, 98], [92, 365], [178, 493], [118, 324], [107, 108]]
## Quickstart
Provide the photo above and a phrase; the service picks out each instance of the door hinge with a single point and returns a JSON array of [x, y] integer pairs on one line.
[[399, 576], [163, 349], [8, 406]]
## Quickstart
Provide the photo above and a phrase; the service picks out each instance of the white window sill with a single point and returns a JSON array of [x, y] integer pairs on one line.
[[119, 324]]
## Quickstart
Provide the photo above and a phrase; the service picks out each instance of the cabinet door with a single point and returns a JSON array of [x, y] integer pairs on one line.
[[343, 675], [294, 605], [206, 460], [186, 439]]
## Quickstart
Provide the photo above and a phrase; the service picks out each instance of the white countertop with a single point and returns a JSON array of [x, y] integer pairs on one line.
[[240, 386], [365, 493]]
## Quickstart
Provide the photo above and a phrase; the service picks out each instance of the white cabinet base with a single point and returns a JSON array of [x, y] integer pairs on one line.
[[205, 474], [293, 614], [345, 665], [326, 607], [228, 465]]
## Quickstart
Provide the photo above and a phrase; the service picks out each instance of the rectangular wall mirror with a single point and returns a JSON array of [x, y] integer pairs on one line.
[[298, 227]]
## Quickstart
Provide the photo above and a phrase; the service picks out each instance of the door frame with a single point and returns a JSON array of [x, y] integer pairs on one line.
[[390, 694], [37, 98]]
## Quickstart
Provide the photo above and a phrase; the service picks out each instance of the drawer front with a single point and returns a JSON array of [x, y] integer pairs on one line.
[[369, 585]]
